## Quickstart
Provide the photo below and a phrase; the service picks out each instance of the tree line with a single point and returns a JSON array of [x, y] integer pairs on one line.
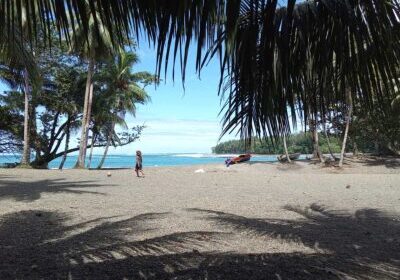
[[367, 131], [296, 143]]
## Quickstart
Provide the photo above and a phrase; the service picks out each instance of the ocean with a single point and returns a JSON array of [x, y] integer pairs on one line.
[[128, 161]]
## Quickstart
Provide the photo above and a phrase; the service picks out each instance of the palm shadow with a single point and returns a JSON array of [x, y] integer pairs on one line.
[[388, 162], [31, 191], [360, 246], [44, 245], [40, 245]]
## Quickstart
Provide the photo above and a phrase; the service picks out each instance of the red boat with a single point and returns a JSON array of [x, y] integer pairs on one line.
[[238, 159]]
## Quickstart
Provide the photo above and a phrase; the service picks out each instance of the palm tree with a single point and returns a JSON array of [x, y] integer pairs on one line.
[[122, 93], [19, 70], [346, 131], [93, 42]]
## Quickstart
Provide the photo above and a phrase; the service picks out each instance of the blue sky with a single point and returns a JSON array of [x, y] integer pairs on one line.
[[179, 120]]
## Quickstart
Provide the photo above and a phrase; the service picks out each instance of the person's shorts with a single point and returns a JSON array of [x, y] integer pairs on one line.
[[138, 167]]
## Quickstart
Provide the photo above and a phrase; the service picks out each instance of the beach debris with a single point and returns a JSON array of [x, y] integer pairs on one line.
[[200, 171], [108, 174], [348, 187]]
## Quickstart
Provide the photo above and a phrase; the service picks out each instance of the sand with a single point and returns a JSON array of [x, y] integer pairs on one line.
[[250, 221]]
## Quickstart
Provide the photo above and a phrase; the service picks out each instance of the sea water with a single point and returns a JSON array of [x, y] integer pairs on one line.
[[128, 161]]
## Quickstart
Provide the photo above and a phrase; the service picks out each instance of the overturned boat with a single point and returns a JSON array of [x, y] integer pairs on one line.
[[238, 159]]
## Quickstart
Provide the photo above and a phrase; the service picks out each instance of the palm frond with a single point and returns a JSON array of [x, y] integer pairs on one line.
[[308, 54]]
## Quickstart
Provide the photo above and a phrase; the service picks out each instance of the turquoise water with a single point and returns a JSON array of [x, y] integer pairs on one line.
[[128, 161]]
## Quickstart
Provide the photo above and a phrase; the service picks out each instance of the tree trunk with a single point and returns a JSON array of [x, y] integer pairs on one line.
[[107, 146], [377, 145], [316, 146], [286, 150], [35, 143], [104, 155], [26, 154], [41, 162], [346, 131], [87, 108], [329, 143], [355, 148], [315, 138], [91, 150], [66, 145]]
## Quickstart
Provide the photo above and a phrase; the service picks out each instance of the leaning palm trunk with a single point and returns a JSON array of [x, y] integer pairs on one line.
[[26, 155], [328, 141], [286, 150], [86, 116], [66, 145], [346, 131], [91, 150], [110, 133]]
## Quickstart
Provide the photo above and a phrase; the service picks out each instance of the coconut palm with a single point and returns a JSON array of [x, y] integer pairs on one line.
[[122, 92], [19, 71], [92, 43]]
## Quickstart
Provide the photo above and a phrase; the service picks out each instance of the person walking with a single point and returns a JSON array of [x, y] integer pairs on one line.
[[139, 164]]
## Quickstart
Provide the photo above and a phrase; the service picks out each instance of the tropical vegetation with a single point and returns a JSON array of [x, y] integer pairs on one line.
[[296, 143], [54, 111], [318, 62]]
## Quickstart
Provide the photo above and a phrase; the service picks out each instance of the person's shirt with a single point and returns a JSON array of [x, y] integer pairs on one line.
[[138, 159]]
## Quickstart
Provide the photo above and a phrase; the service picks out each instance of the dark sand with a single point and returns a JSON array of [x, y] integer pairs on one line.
[[251, 221]]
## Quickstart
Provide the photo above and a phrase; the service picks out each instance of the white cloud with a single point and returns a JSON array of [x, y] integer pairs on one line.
[[174, 136]]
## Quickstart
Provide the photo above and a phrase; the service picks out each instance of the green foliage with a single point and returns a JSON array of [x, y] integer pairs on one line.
[[297, 143], [117, 91], [58, 104], [377, 129], [11, 128]]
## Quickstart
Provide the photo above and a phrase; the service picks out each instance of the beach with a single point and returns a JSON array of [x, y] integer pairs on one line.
[[256, 220]]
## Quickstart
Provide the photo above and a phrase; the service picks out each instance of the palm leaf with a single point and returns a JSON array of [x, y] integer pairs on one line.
[[273, 60], [306, 56]]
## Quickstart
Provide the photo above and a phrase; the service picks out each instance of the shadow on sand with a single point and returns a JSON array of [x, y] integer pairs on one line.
[[388, 162], [31, 191], [40, 244]]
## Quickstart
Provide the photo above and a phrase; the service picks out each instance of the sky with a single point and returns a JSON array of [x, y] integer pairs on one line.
[[177, 120]]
